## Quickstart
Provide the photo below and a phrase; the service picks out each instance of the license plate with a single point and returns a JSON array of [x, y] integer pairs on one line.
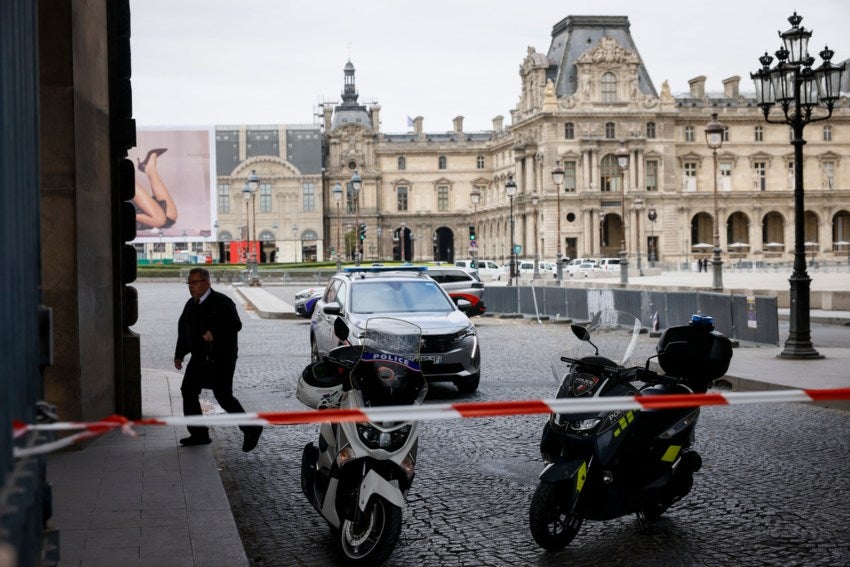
[[435, 358]]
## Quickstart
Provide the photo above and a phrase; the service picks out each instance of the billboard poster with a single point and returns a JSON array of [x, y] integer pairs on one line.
[[174, 172]]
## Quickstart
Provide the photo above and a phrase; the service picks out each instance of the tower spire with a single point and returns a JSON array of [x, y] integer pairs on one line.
[[349, 92]]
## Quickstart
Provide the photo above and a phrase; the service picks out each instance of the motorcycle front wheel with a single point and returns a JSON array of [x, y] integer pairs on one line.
[[553, 524], [370, 539]]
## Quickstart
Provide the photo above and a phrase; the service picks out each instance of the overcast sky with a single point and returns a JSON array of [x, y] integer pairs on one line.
[[207, 62]]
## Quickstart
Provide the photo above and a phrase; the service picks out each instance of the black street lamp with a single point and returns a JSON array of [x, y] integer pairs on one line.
[[534, 200], [798, 90], [337, 191], [558, 178], [510, 189], [652, 215], [714, 139], [356, 183], [249, 193], [475, 197], [622, 155]]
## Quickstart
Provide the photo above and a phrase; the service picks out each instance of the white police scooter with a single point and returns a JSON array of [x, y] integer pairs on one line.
[[358, 475]]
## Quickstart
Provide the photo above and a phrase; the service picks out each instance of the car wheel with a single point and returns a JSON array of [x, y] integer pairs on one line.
[[468, 385]]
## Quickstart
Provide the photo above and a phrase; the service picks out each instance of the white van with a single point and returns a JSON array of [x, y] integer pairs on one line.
[[483, 267], [575, 263], [609, 264]]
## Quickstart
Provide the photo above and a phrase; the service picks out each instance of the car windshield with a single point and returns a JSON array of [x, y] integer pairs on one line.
[[398, 297]]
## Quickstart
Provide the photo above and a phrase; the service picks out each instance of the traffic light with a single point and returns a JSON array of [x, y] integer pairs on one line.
[[362, 232], [472, 232]]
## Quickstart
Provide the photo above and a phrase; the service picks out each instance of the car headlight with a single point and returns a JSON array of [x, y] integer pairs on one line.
[[584, 425], [375, 438]]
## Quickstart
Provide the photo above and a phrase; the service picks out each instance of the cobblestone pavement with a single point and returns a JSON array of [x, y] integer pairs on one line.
[[772, 491]]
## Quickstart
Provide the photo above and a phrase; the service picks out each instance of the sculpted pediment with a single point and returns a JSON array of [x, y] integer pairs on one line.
[[267, 167], [608, 51], [348, 131]]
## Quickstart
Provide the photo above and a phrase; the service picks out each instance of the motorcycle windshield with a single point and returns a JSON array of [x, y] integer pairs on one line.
[[612, 335], [388, 372]]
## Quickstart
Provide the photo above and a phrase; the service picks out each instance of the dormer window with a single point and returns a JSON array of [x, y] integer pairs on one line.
[[609, 87]]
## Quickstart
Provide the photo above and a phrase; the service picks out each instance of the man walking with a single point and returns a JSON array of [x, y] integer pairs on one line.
[[208, 330]]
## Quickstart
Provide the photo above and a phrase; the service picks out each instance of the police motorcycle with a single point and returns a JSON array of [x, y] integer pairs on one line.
[[608, 464], [358, 474]]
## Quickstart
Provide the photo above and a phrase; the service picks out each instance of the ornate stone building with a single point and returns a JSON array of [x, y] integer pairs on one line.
[[588, 96], [285, 213]]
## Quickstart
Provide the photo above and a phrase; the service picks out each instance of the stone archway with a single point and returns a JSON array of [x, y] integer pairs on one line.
[[444, 245]]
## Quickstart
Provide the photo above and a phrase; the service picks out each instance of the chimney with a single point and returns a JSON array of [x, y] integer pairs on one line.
[[697, 86], [458, 123], [730, 86], [498, 122], [417, 126], [376, 117]]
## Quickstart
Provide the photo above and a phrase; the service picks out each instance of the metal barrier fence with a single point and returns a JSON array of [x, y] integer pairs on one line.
[[746, 318]]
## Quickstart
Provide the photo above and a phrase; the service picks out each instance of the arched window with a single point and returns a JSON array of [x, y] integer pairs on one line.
[[402, 162], [225, 236], [609, 87], [267, 236], [441, 162], [609, 174], [309, 235]]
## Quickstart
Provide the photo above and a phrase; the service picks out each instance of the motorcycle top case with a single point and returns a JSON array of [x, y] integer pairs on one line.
[[320, 385], [705, 357]]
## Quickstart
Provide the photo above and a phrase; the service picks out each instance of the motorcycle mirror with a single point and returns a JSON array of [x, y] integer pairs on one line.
[[583, 335], [340, 329], [580, 332]]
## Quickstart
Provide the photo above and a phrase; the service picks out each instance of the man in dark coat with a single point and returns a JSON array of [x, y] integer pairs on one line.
[[208, 330]]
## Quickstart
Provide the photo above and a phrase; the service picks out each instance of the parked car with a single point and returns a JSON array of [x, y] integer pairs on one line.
[[546, 269], [450, 351], [609, 264], [575, 263], [305, 301], [461, 283], [586, 268], [483, 267]]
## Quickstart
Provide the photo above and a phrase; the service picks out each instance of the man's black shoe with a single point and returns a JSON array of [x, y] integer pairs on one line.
[[195, 440], [252, 435]]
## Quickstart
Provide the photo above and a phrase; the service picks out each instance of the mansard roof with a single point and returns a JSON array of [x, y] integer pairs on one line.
[[573, 36]]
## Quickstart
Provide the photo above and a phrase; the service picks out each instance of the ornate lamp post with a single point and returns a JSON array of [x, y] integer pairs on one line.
[[536, 276], [249, 193], [475, 196], [401, 237], [337, 191], [714, 139], [558, 178], [638, 209], [798, 90], [356, 183], [510, 189], [652, 215], [622, 155]]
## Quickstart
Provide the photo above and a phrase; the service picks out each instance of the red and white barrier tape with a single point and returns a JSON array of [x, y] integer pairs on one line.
[[428, 412]]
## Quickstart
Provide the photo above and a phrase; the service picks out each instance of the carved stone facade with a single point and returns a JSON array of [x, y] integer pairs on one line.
[[577, 105], [285, 214]]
